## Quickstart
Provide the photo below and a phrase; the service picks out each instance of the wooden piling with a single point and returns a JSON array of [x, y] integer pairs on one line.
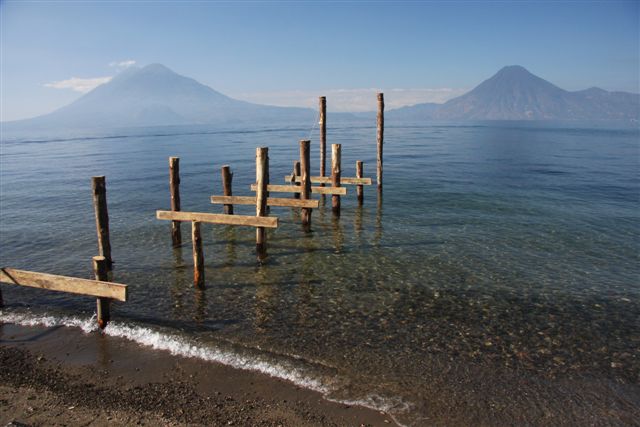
[[323, 135], [103, 305], [227, 177], [305, 183], [336, 150], [198, 256], [296, 172], [380, 137], [99, 187], [359, 174], [262, 180], [174, 186]]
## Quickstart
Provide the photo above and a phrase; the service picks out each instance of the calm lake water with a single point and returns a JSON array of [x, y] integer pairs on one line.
[[496, 280]]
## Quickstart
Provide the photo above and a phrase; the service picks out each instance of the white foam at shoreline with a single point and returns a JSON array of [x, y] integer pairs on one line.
[[180, 346]]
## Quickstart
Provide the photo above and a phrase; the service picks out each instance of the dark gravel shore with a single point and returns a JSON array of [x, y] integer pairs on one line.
[[59, 376]]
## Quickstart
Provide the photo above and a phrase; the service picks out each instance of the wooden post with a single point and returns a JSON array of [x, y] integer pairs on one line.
[[296, 172], [262, 159], [336, 150], [101, 271], [359, 188], [323, 135], [198, 256], [305, 181], [174, 186], [99, 187], [227, 177], [380, 137]]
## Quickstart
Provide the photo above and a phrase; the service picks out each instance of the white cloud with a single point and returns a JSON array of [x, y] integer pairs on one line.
[[352, 100], [123, 64], [78, 84]]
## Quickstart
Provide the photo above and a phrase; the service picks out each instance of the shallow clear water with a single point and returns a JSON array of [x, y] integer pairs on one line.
[[498, 252]]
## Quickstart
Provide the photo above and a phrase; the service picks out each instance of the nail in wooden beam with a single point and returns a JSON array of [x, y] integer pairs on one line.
[[198, 256], [296, 172], [262, 159], [323, 135], [103, 305], [359, 188], [174, 186], [336, 150], [380, 137], [305, 192], [99, 187], [227, 177]]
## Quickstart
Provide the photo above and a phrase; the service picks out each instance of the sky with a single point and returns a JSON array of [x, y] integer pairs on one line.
[[289, 53]]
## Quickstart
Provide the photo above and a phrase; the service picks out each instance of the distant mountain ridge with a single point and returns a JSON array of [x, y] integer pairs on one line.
[[513, 93], [154, 96]]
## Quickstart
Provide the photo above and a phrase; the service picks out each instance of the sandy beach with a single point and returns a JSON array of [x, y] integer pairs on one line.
[[61, 376]]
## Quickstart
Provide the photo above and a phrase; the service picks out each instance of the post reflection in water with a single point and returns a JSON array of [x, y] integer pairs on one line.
[[338, 235], [200, 305], [179, 281], [357, 226], [305, 288], [230, 246], [378, 235], [265, 296]]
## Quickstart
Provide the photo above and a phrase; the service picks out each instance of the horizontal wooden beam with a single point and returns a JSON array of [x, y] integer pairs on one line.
[[251, 221], [327, 180], [271, 201], [72, 285], [296, 189]]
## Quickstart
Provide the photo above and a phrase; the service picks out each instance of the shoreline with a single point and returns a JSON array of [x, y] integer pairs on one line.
[[60, 375]]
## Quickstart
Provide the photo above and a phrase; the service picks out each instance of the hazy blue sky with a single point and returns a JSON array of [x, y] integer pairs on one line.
[[291, 52]]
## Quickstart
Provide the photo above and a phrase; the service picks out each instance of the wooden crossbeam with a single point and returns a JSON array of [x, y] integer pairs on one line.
[[296, 189], [251, 221], [74, 285], [271, 201], [327, 180]]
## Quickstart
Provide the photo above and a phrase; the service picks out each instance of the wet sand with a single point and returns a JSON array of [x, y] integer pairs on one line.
[[61, 376]]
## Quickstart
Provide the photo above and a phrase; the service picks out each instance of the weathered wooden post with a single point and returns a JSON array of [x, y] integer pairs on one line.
[[336, 150], [359, 188], [99, 187], [198, 256], [380, 137], [296, 173], [305, 182], [323, 136], [174, 187], [227, 177], [262, 180], [103, 305]]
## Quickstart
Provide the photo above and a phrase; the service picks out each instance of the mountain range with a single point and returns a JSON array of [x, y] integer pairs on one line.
[[155, 95]]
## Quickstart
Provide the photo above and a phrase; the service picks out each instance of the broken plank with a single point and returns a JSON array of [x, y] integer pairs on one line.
[[271, 201], [74, 285], [296, 189], [327, 180], [251, 221]]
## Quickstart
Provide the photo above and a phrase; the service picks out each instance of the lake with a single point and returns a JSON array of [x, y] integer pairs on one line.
[[501, 257]]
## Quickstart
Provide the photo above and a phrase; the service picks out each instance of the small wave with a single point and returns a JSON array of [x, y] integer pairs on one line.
[[289, 370]]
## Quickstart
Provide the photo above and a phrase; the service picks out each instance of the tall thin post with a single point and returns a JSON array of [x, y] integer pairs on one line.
[[101, 271], [227, 177], [174, 188], [336, 150], [323, 135], [305, 176], [198, 256], [296, 173], [380, 137], [99, 188], [359, 174], [262, 180]]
